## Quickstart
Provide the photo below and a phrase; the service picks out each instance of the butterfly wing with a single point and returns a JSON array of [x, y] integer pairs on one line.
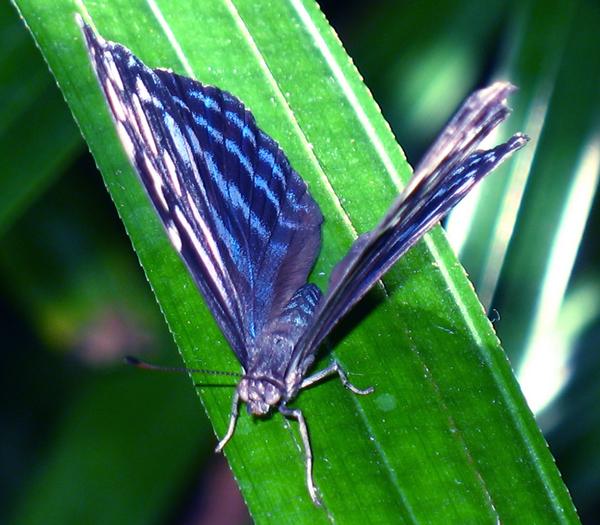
[[241, 218], [445, 175]]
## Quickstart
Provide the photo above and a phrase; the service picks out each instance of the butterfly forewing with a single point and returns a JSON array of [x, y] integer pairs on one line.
[[239, 215], [448, 172], [268, 224], [473, 122]]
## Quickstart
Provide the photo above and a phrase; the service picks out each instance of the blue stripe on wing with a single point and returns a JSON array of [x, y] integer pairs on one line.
[[239, 215]]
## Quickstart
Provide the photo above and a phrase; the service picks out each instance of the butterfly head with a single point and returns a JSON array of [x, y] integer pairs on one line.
[[260, 394]]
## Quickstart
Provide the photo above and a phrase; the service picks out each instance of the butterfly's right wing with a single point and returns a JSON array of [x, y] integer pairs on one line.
[[241, 218], [445, 175]]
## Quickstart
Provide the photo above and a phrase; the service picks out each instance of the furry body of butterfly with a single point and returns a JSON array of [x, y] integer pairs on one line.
[[248, 230]]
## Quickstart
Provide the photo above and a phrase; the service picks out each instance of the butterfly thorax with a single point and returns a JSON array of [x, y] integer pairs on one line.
[[271, 376]]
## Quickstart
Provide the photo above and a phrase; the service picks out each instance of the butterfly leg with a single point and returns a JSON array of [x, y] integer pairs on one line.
[[296, 414], [332, 369], [232, 420]]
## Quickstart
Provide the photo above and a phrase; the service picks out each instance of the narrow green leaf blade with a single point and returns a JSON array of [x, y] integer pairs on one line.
[[447, 436]]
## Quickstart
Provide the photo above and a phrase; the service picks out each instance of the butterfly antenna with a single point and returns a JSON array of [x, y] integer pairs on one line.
[[134, 361]]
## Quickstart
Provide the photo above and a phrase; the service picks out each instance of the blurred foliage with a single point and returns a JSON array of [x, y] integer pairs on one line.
[[68, 276]]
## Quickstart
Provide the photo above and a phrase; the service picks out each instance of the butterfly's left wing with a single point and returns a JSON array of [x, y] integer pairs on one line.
[[241, 218], [447, 173]]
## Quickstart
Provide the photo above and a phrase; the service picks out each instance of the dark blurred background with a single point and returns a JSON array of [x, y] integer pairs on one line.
[[73, 299]]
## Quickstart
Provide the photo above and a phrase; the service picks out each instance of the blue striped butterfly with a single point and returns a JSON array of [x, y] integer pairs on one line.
[[248, 230]]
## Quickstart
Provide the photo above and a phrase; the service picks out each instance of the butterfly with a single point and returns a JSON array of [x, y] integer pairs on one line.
[[248, 229]]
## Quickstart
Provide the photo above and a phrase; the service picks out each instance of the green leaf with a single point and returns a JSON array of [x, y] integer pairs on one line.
[[447, 436], [30, 160]]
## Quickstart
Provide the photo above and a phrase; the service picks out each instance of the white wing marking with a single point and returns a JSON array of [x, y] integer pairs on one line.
[[157, 181], [141, 116], [172, 173], [215, 278]]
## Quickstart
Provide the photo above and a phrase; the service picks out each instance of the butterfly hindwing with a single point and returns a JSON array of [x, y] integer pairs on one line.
[[241, 218]]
